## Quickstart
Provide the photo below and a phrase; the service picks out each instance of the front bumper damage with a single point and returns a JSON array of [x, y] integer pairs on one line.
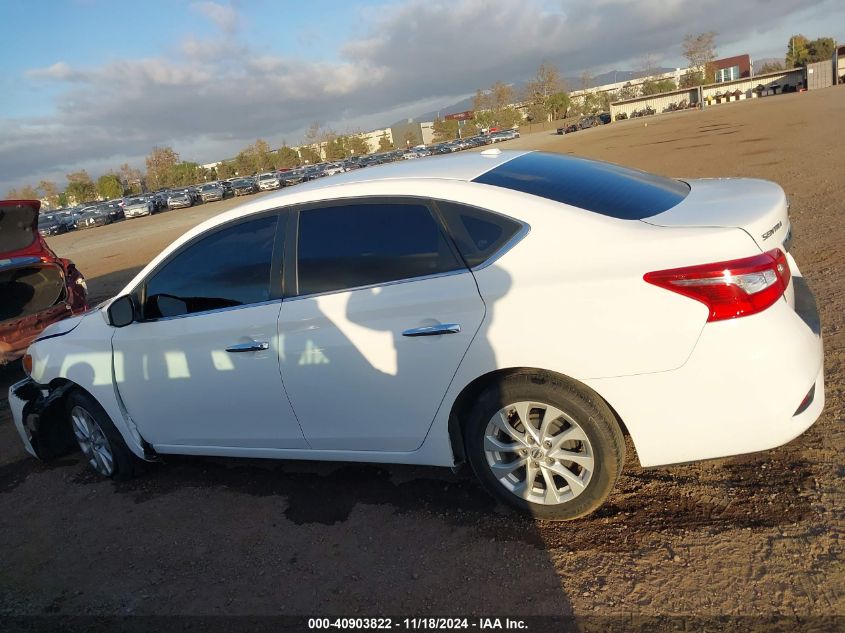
[[40, 419]]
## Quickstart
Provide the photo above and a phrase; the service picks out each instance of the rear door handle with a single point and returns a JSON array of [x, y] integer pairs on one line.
[[434, 330], [250, 346]]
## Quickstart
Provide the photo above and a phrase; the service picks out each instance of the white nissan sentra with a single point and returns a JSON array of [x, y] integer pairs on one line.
[[518, 311]]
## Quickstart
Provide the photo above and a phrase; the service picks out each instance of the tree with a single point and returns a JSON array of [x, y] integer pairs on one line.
[[586, 80], [13, 194], [770, 67], [445, 130], [245, 163], [187, 173], [821, 49], [336, 148], [286, 158], [131, 178], [797, 51], [628, 92], [261, 150], [309, 155], [411, 138], [657, 86], [358, 146], [109, 186], [558, 104], [501, 96], [384, 143], [544, 84], [50, 192], [160, 164], [481, 101], [700, 51], [226, 169], [691, 79], [80, 187]]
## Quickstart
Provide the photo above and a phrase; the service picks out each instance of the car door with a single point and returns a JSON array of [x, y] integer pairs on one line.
[[384, 311], [201, 368]]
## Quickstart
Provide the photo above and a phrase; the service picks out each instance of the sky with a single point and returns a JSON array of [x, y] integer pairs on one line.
[[96, 83]]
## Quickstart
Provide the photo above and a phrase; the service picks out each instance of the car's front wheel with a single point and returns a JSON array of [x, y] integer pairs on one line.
[[545, 445], [100, 442]]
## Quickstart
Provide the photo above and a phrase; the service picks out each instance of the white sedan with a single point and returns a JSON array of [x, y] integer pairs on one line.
[[518, 311]]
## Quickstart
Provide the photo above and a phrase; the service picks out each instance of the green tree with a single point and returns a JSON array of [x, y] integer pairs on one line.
[[309, 155], [700, 51], [691, 79], [797, 51], [628, 92], [444, 130], [657, 86], [80, 187], [109, 186], [187, 173], [160, 164], [558, 104], [336, 148], [384, 143], [286, 158], [226, 169], [63, 199], [357, 145], [821, 49]]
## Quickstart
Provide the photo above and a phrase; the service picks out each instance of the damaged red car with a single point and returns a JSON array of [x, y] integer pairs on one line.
[[37, 287]]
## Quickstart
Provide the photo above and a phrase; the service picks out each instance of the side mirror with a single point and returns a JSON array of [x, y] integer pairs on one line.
[[121, 311]]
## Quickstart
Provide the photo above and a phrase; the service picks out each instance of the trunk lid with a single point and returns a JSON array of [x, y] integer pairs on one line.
[[758, 207]]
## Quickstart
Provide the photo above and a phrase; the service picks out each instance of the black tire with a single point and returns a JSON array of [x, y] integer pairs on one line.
[[593, 416], [125, 464]]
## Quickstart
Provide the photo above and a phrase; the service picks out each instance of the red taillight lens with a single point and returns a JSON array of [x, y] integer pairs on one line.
[[730, 289]]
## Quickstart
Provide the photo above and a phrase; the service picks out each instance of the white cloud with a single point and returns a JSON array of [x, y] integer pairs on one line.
[[223, 15]]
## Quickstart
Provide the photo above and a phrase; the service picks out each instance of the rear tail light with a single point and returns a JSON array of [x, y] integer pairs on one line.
[[730, 289]]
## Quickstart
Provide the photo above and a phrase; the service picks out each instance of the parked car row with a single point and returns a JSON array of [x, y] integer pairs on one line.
[[593, 120]]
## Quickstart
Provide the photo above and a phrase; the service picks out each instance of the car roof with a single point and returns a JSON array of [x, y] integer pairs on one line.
[[466, 167]]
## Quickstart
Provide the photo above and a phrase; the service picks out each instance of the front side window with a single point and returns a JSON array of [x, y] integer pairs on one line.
[[353, 245], [230, 267]]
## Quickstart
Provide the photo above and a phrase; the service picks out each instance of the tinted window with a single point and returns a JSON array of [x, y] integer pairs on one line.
[[362, 244], [618, 192], [228, 268], [478, 234]]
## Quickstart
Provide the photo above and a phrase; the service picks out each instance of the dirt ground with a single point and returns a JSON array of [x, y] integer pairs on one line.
[[759, 537]]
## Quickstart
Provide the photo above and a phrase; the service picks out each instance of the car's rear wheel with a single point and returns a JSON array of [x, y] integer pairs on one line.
[[100, 442], [545, 445]]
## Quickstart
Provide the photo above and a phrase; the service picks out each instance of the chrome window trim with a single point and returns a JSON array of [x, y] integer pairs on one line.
[[462, 270], [214, 311]]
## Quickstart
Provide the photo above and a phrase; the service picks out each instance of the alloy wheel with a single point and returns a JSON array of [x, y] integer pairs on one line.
[[93, 442], [538, 452]]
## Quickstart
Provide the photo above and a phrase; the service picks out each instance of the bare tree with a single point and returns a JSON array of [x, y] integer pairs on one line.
[[544, 84], [160, 164], [700, 51], [50, 192]]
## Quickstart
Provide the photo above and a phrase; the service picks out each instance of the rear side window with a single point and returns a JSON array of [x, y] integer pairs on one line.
[[229, 268], [478, 234], [611, 190], [353, 245]]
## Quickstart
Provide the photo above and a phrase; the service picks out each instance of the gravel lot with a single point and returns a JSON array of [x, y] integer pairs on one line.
[[757, 536]]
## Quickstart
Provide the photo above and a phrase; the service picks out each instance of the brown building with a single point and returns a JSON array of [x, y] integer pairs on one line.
[[730, 68]]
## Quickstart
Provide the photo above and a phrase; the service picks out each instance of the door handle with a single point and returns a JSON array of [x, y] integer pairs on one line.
[[434, 330], [251, 346]]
